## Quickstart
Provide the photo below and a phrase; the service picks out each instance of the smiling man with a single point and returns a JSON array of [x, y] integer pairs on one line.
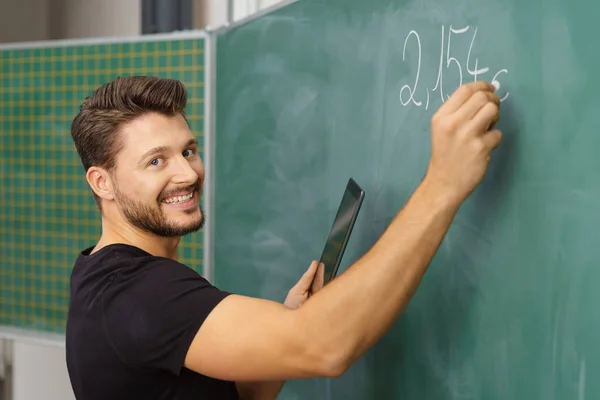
[[134, 309], [141, 325]]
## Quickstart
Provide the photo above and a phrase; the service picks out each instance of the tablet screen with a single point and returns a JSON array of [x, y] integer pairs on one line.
[[341, 229]]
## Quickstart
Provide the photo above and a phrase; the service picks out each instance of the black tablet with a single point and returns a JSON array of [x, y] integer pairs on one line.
[[341, 229]]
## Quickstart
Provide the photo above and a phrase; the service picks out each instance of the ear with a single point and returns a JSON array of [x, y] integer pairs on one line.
[[100, 182]]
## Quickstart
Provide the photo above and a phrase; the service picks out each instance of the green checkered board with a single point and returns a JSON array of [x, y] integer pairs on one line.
[[47, 212]]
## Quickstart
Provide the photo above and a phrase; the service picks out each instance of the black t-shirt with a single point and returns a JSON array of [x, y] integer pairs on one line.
[[132, 318]]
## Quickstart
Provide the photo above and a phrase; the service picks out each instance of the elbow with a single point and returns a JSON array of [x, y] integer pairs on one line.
[[335, 368], [322, 356], [331, 363]]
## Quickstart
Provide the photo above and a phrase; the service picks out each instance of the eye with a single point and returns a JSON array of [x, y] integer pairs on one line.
[[155, 162], [189, 152]]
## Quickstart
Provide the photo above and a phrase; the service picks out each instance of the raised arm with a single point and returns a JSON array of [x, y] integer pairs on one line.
[[252, 339]]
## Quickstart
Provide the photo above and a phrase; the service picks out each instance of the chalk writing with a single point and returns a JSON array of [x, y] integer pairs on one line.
[[449, 62]]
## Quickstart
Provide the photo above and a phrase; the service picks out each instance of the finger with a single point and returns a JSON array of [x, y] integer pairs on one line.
[[494, 122], [481, 122], [320, 277], [312, 269], [475, 103], [307, 278], [319, 280], [462, 94], [492, 139]]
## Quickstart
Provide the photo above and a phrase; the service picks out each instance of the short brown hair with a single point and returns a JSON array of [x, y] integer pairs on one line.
[[95, 128]]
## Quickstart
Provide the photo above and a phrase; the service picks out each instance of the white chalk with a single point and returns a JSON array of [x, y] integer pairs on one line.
[[496, 84]]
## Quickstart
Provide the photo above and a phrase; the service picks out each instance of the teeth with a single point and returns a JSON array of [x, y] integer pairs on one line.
[[179, 199]]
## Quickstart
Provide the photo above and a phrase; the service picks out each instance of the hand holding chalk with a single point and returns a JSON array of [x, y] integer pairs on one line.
[[462, 140]]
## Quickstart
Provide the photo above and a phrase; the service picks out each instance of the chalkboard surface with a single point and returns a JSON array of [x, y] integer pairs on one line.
[[323, 90]]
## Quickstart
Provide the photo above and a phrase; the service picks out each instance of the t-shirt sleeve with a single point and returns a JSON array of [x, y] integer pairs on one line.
[[151, 317]]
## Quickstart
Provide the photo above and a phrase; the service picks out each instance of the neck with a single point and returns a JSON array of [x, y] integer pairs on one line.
[[120, 232]]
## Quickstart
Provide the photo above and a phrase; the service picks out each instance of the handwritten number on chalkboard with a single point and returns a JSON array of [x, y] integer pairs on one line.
[[412, 90], [440, 80], [495, 81], [452, 59], [446, 61], [475, 71]]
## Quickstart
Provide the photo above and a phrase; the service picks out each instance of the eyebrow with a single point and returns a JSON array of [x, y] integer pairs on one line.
[[162, 149]]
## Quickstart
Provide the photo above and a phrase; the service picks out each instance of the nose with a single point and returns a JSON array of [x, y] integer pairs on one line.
[[184, 173]]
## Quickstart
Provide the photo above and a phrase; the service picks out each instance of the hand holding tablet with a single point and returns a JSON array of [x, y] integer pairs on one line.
[[338, 237]]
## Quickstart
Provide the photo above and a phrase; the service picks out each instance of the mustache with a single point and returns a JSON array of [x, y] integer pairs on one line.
[[192, 188]]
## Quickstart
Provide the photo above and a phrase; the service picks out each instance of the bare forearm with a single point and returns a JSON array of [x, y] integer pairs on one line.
[[359, 306]]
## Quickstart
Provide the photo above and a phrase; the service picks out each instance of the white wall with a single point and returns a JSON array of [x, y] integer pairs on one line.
[[94, 18], [214, 13], [40, 372], [267, 3], [34, 20], [243, 8], [23, 20], [209, 13]]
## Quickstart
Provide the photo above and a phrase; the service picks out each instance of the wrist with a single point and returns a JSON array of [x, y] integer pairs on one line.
[[441, 193]]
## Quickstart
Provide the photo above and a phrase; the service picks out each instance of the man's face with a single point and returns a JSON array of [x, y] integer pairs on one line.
[[159, 175]]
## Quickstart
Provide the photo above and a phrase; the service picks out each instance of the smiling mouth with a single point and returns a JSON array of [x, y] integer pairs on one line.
[[183, 196], [179, 199]]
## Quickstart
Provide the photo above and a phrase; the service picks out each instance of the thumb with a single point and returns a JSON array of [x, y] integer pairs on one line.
[[492, 139]]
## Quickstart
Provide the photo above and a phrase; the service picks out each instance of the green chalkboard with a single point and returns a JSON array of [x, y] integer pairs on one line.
[[324, 90], [47, 213]]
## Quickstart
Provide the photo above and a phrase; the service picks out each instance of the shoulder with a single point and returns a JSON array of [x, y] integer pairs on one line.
[[145, 281], [155, 303]]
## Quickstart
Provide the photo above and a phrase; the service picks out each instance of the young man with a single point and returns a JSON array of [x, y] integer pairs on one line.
[[142, 325]]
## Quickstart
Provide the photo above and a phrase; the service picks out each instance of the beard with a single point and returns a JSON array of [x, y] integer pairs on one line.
[[153, 219]]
